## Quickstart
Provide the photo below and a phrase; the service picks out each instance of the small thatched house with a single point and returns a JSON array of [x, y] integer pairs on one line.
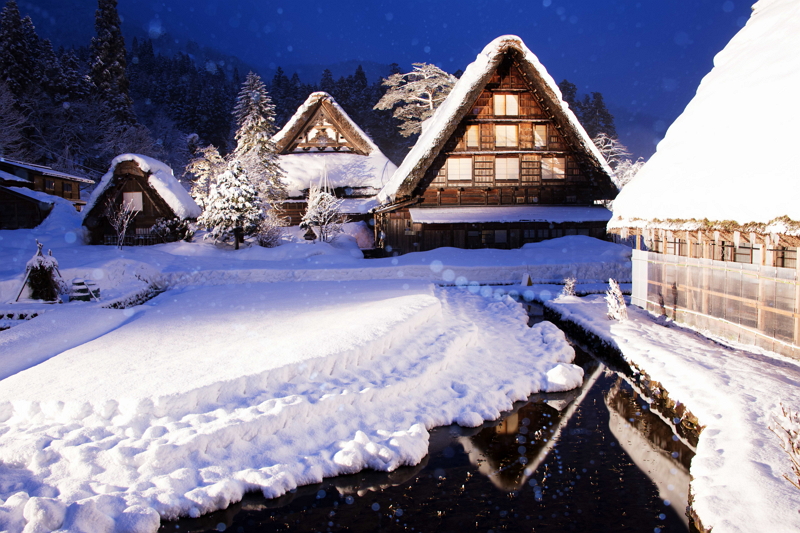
[[502, 162], [321, 145], [43, 179], [149, 186], [714, 216]]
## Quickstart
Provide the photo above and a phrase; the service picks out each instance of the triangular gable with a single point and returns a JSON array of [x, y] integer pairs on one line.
[[320, 124], [464, 98]]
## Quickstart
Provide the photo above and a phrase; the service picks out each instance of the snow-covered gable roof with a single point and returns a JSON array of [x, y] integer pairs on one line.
[[45, 171], [160, 178], [438, 129], [728, 156], [363, 167]]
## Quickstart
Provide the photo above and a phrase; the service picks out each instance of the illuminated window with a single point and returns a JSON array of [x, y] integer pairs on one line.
[[506, 105], [459, 168], [506, 168], [134, 199], [553, 168], [473, 136], [505, 135], [49, 185], [540, 136]]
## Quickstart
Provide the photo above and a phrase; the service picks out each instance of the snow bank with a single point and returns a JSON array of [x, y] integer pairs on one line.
[[161, 179], [280, 385], [711, 163], [737, 474]]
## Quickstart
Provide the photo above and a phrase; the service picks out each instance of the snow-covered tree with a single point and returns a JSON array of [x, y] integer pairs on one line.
[[787, 428], [18, 49], [205, 168], [324, 213], [617, 309], [418, 93], [569, 287], [120, 217], [618, 158], [108, 64], [255, 151], [12, 141], [270, 230], [233, 202]]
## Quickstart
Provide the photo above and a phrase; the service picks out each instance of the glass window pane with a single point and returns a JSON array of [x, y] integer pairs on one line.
[[473, 134], [512, 104], [540, 136], [499, 104]]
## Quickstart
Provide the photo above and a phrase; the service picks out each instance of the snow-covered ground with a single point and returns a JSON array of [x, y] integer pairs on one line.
[[738, 483], [204, 393]]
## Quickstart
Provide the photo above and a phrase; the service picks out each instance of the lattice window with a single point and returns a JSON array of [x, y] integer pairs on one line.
[[506, 135], [506, 105], [553, 168], [484, 169], [531, 168]]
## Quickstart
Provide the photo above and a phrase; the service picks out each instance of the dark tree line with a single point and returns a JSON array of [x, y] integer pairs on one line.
[[590, 110]]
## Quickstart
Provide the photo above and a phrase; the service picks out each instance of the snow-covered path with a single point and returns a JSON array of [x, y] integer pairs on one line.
[[205, 393], [738, 482]]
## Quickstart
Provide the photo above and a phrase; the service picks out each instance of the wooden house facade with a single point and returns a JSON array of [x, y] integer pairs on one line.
[[503, 162], [321, 145], [43, 179], [715, 225], [146, 184]]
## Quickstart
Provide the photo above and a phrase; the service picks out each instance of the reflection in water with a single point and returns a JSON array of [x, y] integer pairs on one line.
[[593, 460]]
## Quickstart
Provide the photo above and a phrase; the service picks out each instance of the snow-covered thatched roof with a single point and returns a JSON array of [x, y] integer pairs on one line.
[[364, 167], [159, 177], [438, 129], [729, 157]]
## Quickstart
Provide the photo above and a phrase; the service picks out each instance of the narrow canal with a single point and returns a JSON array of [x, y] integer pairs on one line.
[[595, 459]]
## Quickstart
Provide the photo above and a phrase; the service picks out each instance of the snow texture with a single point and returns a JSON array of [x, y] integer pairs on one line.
[[103, 439], [711, 163], [42, 197], [737, 474], [434, 129], [5, 176], [161, 179], [539, 213]]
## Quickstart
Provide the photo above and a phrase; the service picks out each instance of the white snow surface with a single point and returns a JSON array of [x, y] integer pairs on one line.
[[342, 169], [530, 213], [737, 474], [434, 129], [711, 163], [161, 179], [42, 197], [205, 393], [11, 177]]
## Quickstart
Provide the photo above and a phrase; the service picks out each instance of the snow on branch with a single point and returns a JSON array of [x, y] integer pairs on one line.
[[617, 310], [787, 428], [324, 213]]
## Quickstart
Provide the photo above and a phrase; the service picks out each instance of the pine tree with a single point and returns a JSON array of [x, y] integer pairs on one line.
[[596, 118], [108, 66], [18, 50], [418, 92], [204, 168], [233, 202], [255, 151], [326, 83]]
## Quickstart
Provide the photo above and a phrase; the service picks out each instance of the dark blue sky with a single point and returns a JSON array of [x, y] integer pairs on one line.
[[647, 57]]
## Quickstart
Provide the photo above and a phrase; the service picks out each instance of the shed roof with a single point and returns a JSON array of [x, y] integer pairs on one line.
[[438, 129], [728, 156], [45, 171]]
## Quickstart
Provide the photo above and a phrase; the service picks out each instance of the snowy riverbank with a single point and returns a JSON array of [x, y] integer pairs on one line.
[[738, 483], [202, 394]]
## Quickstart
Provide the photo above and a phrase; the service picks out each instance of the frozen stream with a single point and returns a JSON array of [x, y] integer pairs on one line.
[[593, 459]]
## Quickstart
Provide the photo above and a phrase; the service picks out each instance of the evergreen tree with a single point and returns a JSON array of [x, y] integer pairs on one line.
[[232, 203], [326, 83], [204, 169], [108, 66], [255, 151], [596, 118], [18, 50]]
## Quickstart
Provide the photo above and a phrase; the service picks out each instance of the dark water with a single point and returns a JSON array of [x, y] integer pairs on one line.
[[595, 459]]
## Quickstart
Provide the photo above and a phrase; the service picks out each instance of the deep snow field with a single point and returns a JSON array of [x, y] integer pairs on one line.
[[258, 369], [735, 392]]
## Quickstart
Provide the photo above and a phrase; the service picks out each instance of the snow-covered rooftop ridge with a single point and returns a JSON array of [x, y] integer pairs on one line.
[[160, 178], [441, 125], [301, 170], [45, 171], [727, 156], [515, 213], [301, 115]]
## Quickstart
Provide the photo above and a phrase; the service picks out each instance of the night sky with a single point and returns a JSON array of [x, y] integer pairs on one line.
[[646, 57]]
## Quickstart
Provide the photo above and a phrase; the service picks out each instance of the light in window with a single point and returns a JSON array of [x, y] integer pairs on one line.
[[506, 168], [506, 105], [553, 168], [49, 185], [540, 136], [473, 136], [459, 168], [134, 199], [505, 135]]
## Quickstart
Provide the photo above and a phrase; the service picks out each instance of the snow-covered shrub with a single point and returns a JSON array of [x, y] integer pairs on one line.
[[323, 213], [232, 202], [270, 230], [617, 310], [173, 229], [787, 428], [569, 287], [42, 276]]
